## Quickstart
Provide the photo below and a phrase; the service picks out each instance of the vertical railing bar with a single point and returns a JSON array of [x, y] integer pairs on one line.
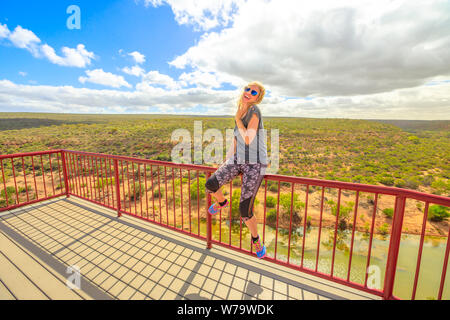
[[371, 238], [92, 178], [83, 183], [145, 185], [167, 201], [43, 176], [128, 183], [111, 182], [394, 246], [189, 192], [181, 199], [101, 194], [278, 210], [173, 194], [65, 173], [86, 177], [304, 223], [444, 268], [4, 183], [25, 178], [153, 192], [116, 175], [353, 235], [208, 217], [140, 186], [123, 186], [71, 174], [240, 223], [80, 175], [90, 174], [51, 172], [231, 211], [15, 183], [198, 203], [34, 178], [59, 168], [107, 185], [159, 197], [290, 221], [104, 195], [419, 254], [265, 203], [336, 231], [86, 172], [220, 224], [320, 228]]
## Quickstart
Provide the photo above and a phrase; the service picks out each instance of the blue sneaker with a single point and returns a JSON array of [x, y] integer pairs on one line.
[[260, 248], [215, 207]]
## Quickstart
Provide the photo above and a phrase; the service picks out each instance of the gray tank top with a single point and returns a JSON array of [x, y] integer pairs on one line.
[[256, 151]]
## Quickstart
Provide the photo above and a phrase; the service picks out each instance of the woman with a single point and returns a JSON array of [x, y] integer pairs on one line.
[[247, 156]]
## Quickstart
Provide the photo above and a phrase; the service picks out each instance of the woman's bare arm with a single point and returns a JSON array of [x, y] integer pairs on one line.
[[250, 133], [232, 150]]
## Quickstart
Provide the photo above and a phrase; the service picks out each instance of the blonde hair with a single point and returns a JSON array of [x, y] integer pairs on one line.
[[262, 92]]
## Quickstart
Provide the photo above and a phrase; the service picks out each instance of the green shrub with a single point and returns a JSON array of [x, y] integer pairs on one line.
[[201, 189], [104, 182], [235, 213], [271, 202], [388, 181], [438, 213], [136, 190], [400, 183], [384, 229], [271, 216], [285, 201], [389, 212], [9, 191], [158, 192]]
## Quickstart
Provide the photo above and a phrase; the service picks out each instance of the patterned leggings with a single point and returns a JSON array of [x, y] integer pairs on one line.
[[252, 176]]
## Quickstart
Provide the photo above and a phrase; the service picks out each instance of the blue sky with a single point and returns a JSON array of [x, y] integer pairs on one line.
[[365, 60], [106, 28]]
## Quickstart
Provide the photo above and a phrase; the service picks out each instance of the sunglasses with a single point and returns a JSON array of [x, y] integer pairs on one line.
[[254, 92]]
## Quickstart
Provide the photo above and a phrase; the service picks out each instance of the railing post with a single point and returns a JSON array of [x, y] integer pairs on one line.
[[394, 247], [208, 218], [66, 179], [116, 175]]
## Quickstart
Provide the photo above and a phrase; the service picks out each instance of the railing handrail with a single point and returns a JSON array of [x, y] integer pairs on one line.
[[394, 191], [400, 197]]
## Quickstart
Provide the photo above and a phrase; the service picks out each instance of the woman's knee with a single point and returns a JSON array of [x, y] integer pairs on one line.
[[212, 184], [245, 209]]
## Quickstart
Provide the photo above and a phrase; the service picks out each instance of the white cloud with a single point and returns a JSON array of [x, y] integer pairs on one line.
[[428, 102], [152, 78], [26, 39], [327, 48], [23, 73], [134, 71], [138, 57], [4, 31], [202, 14], [78, 57], [98, 76]]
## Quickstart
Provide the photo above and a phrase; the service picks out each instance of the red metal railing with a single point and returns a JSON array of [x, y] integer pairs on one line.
[[155, 191]]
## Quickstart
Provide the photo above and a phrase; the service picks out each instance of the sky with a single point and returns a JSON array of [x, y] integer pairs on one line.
[[354, 59]]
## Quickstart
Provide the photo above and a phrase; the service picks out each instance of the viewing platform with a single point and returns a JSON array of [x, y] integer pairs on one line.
[[127, 258], [80, 225]]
